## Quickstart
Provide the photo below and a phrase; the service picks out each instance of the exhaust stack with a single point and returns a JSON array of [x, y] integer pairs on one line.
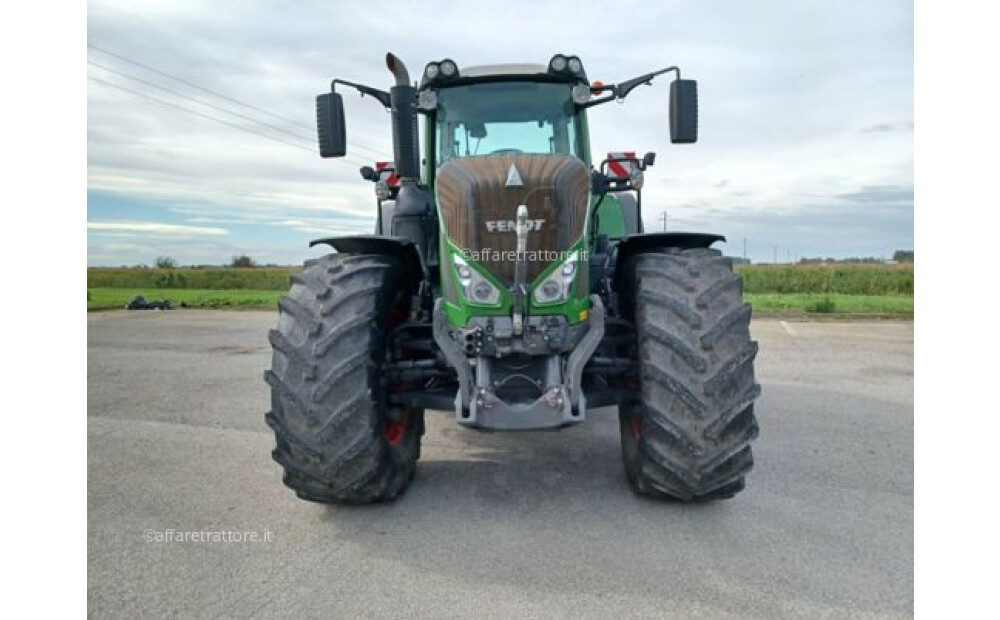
[[398, 69], [405, 141]]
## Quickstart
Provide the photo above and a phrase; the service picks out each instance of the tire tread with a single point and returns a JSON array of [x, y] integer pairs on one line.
[[324, 410], [698, 389]]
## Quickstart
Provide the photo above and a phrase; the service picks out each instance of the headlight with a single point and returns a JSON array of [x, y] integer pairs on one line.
[[475, 287], [431, 71], [635, 178], [427, 100], [558, 63], [448, 68], [581, 94], [483, 291], [575, 65], [556, 286]]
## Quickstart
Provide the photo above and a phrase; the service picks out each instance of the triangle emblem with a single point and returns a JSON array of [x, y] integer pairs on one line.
[[514, 177]]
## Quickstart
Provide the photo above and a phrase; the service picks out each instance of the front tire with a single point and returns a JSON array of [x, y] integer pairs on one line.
[[688, 438], [336, 439]]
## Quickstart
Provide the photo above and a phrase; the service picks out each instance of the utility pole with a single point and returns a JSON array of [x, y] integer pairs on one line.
[[663, 217]]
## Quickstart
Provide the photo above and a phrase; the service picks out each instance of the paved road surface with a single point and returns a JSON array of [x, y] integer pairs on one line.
[[530, 525]]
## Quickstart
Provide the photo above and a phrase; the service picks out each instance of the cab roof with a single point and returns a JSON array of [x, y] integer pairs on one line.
[[503, 69], [534, 72]]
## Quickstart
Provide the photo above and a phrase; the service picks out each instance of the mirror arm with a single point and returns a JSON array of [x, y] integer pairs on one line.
[[383, 97], [622, 90], [594, 102]]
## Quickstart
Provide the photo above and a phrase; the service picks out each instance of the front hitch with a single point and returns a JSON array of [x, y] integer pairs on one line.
[[561, 402]]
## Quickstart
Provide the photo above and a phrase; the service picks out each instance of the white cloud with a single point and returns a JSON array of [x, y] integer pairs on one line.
[[801, 102], [157, 228]]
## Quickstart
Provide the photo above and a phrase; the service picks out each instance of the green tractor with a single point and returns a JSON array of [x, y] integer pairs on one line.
[[509, 280]]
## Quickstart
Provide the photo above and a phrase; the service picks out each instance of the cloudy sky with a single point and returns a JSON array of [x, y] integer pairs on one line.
[[806, 116]]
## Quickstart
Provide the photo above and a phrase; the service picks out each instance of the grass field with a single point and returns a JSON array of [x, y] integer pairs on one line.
[[832, 305], [767, 303], [835, 290], [116, 298]]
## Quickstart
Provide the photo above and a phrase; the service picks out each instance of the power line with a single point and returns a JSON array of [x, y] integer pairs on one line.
[[201, 88], [196, 113], [218, 94], [212, 118], [199, 101]]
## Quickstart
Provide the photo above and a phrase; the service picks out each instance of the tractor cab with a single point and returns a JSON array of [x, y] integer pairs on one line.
[[514, 111], [528, 109]]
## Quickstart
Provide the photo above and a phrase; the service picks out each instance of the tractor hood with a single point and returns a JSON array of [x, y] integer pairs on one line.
[[479, 198]]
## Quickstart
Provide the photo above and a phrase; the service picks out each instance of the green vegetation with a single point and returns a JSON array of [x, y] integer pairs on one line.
[[822, 306], [845, 279], [215, 278], [242, 262], [835, 290], [832, 305], [116, 298]]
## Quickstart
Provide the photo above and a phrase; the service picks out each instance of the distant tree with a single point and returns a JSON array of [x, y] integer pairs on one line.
[[165, 262], [242, 262], [903, 256]]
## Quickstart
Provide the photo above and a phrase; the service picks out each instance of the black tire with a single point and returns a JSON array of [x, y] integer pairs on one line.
[[336, 439], [689, 436]]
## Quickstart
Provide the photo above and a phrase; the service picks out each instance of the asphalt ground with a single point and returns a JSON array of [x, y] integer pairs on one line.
[[188, 518]]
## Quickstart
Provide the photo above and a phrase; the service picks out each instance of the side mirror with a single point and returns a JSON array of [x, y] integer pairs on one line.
[[648, 159], [368, 173], [684, 111], [330, 125]]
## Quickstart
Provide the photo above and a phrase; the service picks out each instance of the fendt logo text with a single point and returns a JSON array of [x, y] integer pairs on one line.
[[510, 226]]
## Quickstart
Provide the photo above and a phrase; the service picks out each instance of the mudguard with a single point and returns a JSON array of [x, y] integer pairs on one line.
[[646, 242], [398, 247]]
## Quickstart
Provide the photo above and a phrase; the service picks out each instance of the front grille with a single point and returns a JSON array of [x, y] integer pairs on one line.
[[477, 207]]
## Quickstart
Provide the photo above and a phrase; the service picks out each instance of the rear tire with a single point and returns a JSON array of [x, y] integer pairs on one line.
[[688, 438], [336, 439]]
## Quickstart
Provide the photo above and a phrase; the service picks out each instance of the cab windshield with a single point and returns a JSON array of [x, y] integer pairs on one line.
[[506, 117]]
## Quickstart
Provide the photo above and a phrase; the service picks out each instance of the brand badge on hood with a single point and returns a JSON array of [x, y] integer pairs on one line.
[[514, 177]]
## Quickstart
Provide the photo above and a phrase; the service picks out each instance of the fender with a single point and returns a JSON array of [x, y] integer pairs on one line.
[[647, 242], [397, 247]]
